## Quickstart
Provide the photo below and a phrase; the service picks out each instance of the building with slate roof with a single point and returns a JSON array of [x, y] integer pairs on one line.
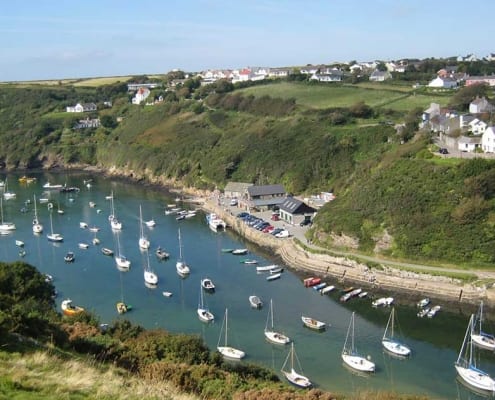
[[294, 211], [265, 197], [236, 190]]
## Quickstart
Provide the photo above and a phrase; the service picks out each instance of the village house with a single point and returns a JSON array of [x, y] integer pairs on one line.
[[141, 95], [132, 87], [480, 105], [236, 190], [309, 70], [443, 83], [294, 211], [87, 123], [380, 76], [469, 143], [488, 140], [332, 77], [263, 197], [474, 80], [477, 126], [279, 72], [82, 107]]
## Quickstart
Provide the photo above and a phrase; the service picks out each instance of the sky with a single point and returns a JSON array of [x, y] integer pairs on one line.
[[54, 39]]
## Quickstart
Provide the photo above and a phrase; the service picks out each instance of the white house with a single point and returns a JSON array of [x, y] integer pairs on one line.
[[443, 82], [488, 140], [84, 107], [337, 77], [380, 76], [477, 127], [279, 72], [141, 95], [468, 143], [309, 70], [480, 105]]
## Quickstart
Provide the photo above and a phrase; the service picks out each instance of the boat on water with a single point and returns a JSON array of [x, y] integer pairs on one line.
[[207, 284], [390, 343], [26, 179], [266, 268], [227, 250], [276, 270], [150, 224], [144, 243], [422, 313], [382, 302], [122, 307], [423, 302], [327, 289], [291, 375], [204, 313], [167, 294], [480, 338], [83, 246], [312, 281], [5, 226], [466, 364], [313, 323], [226, 350], [249, 261], [94, 229], [37, 226], [215, 222], [50, 186], [270, 333], [115, 224], [123, 264], [106, 251], [150, 277], [69, 257], [239, 252], [8, 195], [350, 355], [92, 204], [433, 311], [83, 225], [273, 277], [54, 237], [19, 243], [255, 302], [181, 266], [161, 254], [70, 309]]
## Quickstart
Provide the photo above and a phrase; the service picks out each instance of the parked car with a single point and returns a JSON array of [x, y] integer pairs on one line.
[[262, 226], [443, 150], [243, 214], [268, 229], [284, 233], [275, 217], [305, 222], [276, 230], [233, 202]]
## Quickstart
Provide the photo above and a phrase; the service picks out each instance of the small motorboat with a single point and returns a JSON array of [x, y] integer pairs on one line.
[[327, 289], [83, 225], [255, 302], [69, 309], [207, 284], [266, 268], [308, 282], [92, 204], [273, 277], [249, 261], [122, 307], [433, 311], [161, 254], [423, 302], [276, 270], [151, 223], [313, 323], [94, 229], [83, 246], [382, 302], [167, 294], [106, 251], [69, 257], [19, 243], [239, 252], [96, 241], [421, 313]]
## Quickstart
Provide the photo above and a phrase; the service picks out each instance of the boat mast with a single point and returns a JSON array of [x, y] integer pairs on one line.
[[352, 338], [463, 347], [226, 325]]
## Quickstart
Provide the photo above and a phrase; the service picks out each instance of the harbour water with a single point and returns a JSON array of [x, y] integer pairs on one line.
[[94, 282]]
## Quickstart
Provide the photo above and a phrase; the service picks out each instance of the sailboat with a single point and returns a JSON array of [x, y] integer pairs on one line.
[[291, 375], [37, 227], [203, 313], [390, 343], [123, 264], [270, 333], [114, 222], [351, 357], [5, 226], [226, 350], [480, 338], [54, 237], [121, 306], [466, 364], [149, 276], [181, 266], [144, 243], [6, 194]]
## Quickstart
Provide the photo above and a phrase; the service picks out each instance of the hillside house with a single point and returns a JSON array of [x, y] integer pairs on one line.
[[264, 197], [132, 87], [309, 70], [475, 80], [82, 107], [380, 76], [87, 123], [469, 143], [443, 83], [294, 211], [141, 95], [236, 190], [477, 127], [480, 105], [333, 77], [488, 140], [279, 72]]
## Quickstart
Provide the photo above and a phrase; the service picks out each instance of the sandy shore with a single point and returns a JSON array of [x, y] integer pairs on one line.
[[385, 280]]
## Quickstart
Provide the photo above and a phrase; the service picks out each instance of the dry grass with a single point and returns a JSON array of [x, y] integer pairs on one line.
[[47, 375]]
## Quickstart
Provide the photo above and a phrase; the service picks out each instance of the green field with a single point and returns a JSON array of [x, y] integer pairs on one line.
[[397, 98]]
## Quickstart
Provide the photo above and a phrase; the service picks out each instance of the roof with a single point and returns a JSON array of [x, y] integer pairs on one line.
[[470, 139], [267, 202], [240, 187], [266, 190], [292, 205]]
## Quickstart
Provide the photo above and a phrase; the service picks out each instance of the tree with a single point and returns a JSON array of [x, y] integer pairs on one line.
[[467, 94], [108, 121], [381, 67]]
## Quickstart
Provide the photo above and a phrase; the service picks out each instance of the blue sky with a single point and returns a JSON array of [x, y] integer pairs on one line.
[[52, 39]]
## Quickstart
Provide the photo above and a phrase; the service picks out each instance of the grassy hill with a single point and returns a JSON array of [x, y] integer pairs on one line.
[[310, 138]]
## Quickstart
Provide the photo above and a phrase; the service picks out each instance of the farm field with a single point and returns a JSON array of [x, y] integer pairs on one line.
[[319, 96]]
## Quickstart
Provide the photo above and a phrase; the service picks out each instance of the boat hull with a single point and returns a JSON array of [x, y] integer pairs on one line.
[[231, 353], [484, 342], [396, 348], [476, 378], [358, 363], [276, 337], [205, 315], [297, 379]]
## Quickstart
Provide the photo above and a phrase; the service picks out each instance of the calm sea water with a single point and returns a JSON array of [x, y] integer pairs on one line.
[[94, 282]]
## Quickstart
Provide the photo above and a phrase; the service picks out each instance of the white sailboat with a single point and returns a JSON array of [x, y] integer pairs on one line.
[[123, 264], [466, 364], [114, 222], [390, 343], [149, 276], [6, 194], [54, 237], [181, 266], [351, 357], [5, 226], [480, 338], [291, 375], [37, 227], [203, 313], [226, 350], [144, 243], [272, 335]]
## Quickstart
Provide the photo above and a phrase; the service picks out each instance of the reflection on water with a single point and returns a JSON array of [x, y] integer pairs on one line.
[[94, 282]]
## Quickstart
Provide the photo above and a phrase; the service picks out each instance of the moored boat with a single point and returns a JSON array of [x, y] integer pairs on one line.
[[215, 222], [69, 257], [161, 254], [83, 246], [106, 251], [349, 354], [308, 282], [70, 309], [255, 302], [433, 311], [291, 375], [313, 323], [328, 289], [382, 302], [273, 277], [239, 252], [207, 284], [266, 268], [423, 302], [122, 307]]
